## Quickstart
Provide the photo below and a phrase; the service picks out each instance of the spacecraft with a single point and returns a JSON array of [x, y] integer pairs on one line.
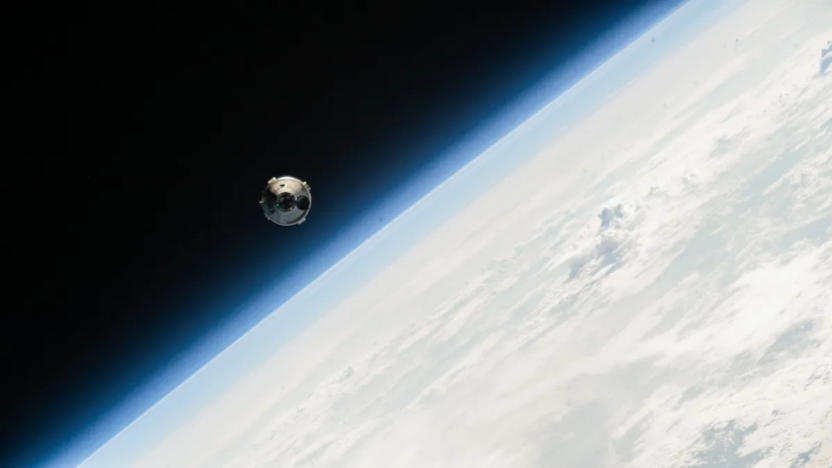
[[286, 200]]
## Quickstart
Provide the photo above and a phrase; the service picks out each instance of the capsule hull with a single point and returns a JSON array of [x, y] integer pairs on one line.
[[286, 200]]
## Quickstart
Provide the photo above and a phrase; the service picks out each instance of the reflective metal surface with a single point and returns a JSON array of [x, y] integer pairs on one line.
[[286, 200]]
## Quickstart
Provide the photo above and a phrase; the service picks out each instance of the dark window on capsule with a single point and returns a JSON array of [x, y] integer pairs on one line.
[[285, 201]]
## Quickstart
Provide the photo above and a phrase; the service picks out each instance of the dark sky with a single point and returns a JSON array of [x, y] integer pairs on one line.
[[144, 134]]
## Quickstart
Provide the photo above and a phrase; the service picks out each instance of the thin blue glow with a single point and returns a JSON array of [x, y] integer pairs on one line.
[[320, 294]]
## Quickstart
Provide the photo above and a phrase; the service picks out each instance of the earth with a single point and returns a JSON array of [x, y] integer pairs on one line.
[[638, 275]]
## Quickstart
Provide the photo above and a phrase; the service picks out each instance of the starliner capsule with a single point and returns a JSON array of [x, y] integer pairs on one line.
[[286, 200]]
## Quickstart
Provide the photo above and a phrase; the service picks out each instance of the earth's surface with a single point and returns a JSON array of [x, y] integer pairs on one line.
[[639, 275]]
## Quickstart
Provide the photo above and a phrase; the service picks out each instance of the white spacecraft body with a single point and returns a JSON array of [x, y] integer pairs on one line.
[[286, 200]]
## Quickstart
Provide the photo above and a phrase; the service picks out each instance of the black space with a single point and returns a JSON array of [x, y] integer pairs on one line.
[[143, 135]]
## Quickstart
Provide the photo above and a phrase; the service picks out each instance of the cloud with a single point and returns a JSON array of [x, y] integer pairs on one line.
[[613, 240]]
